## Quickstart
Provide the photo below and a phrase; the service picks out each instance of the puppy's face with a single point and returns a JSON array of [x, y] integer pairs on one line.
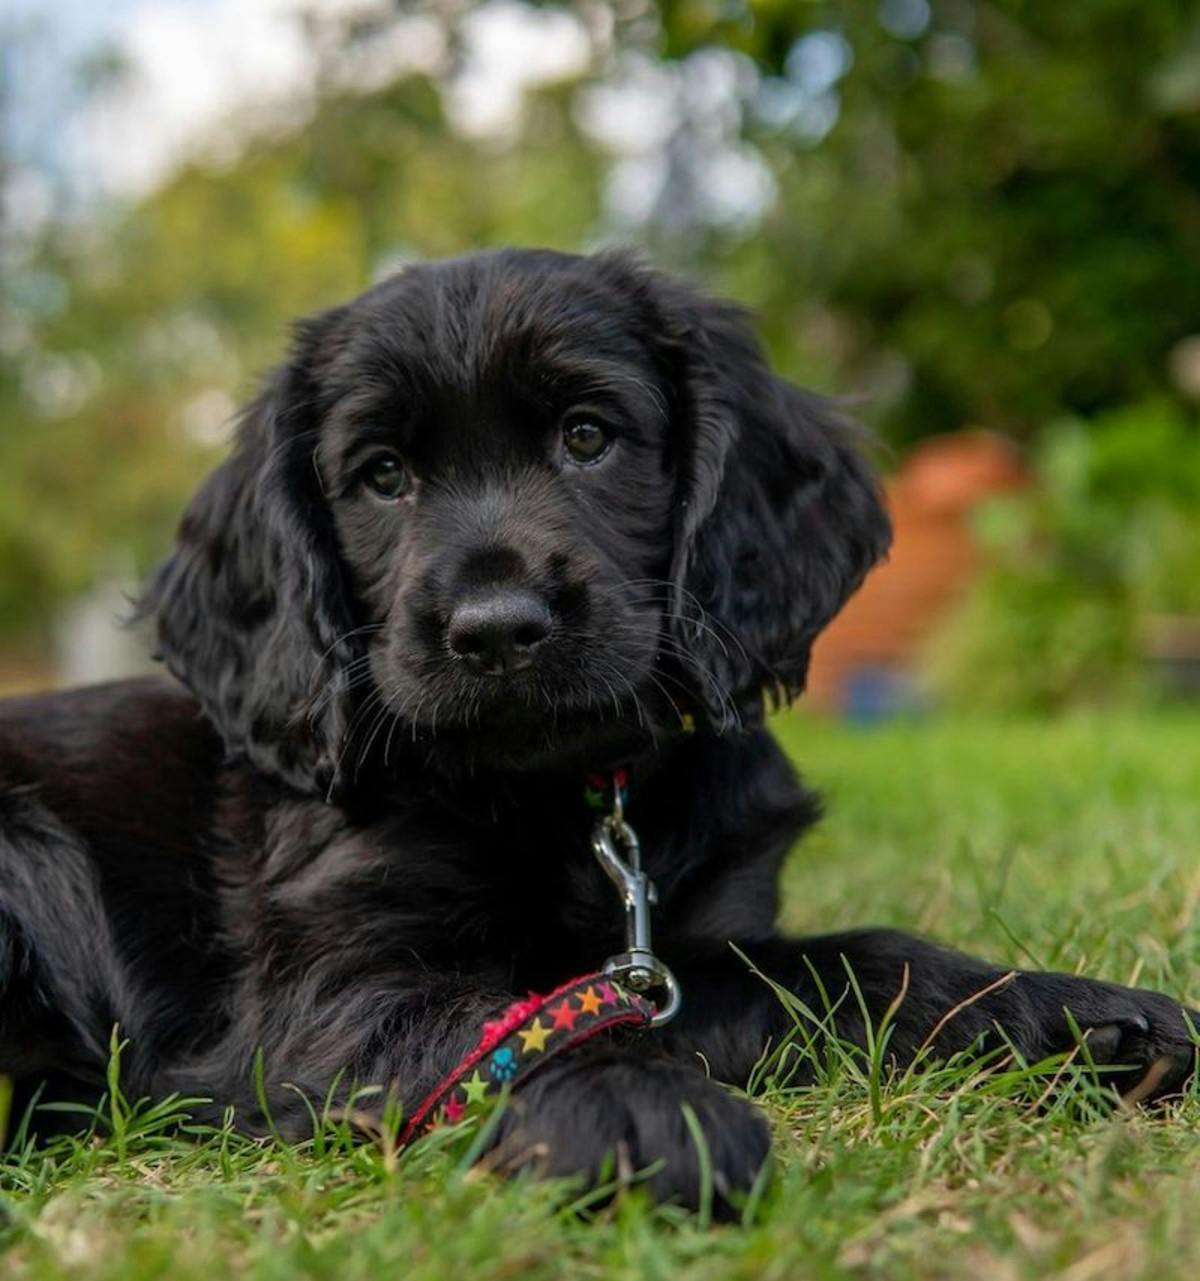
[[522, 509], [496, 454]]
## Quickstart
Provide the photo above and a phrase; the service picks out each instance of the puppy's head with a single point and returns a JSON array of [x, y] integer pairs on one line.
[[521, 509]]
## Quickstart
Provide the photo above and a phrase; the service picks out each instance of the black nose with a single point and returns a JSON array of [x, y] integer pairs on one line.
[[497, 632]]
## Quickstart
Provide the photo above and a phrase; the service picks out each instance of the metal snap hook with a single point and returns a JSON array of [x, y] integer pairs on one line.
[[637, 967]]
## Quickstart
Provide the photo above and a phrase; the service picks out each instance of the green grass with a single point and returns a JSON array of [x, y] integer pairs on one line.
[[1072, 844]]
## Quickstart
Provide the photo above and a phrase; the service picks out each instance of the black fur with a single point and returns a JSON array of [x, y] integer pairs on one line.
[[344, 845]]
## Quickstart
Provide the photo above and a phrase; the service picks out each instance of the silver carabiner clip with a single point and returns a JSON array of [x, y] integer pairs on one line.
[[637, 967]]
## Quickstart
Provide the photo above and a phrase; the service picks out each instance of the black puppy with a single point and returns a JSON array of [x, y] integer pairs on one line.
[[498, 523]]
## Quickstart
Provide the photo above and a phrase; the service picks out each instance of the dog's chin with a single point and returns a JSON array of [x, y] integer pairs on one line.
[[509, 730], [579, 748]]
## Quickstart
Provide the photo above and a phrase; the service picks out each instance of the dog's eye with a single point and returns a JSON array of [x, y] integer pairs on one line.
[[585, 440], [387, 477]]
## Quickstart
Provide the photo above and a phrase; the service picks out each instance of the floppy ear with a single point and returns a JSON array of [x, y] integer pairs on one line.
[[780, 517], [249, 610]]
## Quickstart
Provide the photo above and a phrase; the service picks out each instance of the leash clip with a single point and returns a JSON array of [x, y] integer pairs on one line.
[[637, 967]]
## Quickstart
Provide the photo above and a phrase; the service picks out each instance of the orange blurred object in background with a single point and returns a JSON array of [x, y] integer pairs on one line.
[[880, 632]]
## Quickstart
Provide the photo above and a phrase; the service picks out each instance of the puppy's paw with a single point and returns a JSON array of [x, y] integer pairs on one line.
[[1144, 1041], [616, 1117]]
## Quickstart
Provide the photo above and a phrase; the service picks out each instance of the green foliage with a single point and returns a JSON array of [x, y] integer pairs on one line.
[[1109, 537], [996, 218], [165, 317], [979, 214]]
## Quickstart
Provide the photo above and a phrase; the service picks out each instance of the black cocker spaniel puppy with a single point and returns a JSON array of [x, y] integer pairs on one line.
[[498, 524]]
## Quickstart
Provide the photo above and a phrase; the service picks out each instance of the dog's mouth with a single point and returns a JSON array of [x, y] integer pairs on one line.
[[534, 700], [516, 737], [567, 708]]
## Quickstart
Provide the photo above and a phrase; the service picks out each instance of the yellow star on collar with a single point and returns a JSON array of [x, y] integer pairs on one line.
[[534, 1038], [475, 1087]]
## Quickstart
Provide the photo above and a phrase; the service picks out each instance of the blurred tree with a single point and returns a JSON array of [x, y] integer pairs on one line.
[[985, 207], [136, 338], [965, 210]]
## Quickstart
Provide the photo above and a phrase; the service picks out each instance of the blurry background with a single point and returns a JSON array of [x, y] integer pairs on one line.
[[978, 220]]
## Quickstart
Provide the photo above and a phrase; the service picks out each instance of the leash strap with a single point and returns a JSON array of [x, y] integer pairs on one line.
[[526, 1037]]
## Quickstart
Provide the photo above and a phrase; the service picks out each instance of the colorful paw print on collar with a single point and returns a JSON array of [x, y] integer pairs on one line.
[[503, 1066]]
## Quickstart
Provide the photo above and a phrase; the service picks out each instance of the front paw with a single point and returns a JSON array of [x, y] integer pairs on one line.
[[1145, 1042], [599, 1118]]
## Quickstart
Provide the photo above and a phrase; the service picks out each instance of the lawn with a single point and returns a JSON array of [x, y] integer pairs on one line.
[[1072, 845]]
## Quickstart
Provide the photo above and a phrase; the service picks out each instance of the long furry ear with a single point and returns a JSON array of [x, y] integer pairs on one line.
[[780, 518], [249, 609]]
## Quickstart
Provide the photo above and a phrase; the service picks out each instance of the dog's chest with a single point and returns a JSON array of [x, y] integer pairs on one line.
[[446, 893]]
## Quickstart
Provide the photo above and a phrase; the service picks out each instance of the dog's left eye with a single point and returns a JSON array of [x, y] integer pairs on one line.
[[585, 439], [387, 477]]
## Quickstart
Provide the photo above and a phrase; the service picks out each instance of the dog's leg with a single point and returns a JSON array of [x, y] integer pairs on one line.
[[62, 986], [938, 1002], [613, 1107], [24, 1043]]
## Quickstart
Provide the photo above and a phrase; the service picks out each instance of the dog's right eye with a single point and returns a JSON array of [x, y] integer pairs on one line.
[[387, 477], [585, 439]]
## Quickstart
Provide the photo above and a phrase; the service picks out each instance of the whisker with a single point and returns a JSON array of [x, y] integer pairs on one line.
[[345, 636], [674, 651], [377, 724], [703, 619], [348, 740], [358, 673]]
